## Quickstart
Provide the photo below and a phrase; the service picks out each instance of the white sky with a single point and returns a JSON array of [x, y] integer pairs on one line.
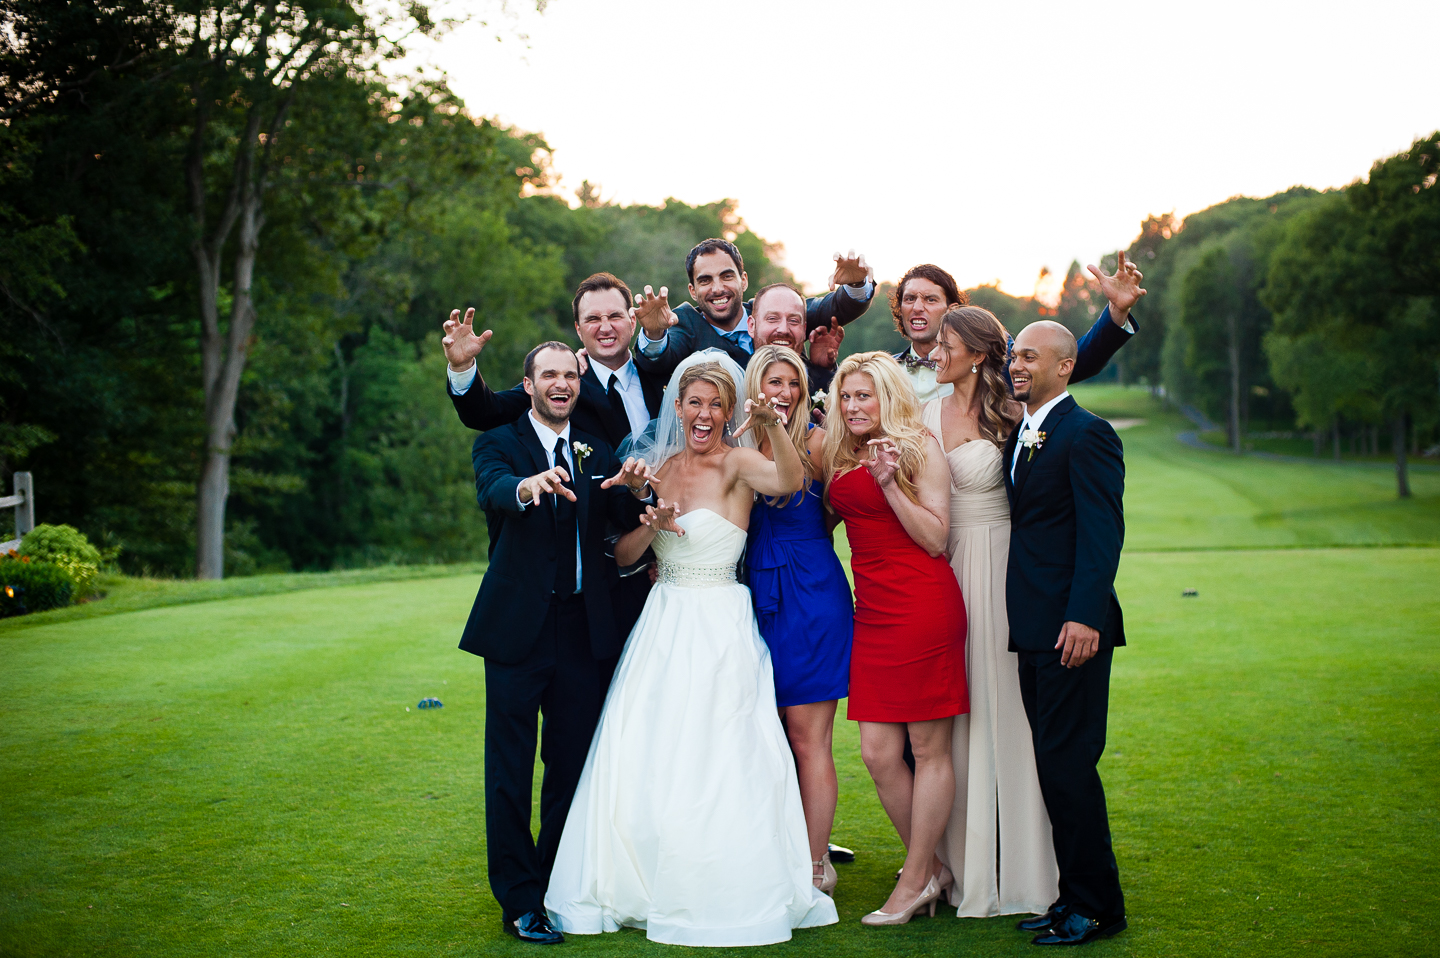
[[989, 138]]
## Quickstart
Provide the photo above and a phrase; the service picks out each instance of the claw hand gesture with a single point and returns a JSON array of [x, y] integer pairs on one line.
[[825, 345], [634, 473], [460, 342], [1123, 289], [760, 413], [661, 517], [653, 312], [884, 461], [851, 268], [550, 481]]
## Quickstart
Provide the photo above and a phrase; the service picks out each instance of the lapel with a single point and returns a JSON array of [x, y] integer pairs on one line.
[[1009, 457], [594, 394], [1048, 426], [582, 484]]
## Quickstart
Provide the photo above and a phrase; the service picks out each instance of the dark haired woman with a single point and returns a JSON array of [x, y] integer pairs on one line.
[[997, 793]]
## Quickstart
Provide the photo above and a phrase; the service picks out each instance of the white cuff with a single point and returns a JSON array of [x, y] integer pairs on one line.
[[1129, 327], [863, 294], [460, 383], [652, 347]]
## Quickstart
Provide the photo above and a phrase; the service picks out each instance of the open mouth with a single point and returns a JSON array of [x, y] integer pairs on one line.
[[721, 303], [606, 342], [783, 408], [784, 339], [560, 399], [919, 325], [700, 432]]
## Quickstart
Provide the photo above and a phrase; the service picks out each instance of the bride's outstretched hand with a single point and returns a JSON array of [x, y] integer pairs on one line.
[[760, 413], [661, 517], [634, 473], [884, 460]]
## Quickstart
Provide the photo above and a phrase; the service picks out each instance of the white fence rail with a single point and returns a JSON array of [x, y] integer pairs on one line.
[[23, 502]]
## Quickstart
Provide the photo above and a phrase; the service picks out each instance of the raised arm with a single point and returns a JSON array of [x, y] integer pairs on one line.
[[662, 342], [478, 406], [928, 520], [784, 476], [1122, 291]]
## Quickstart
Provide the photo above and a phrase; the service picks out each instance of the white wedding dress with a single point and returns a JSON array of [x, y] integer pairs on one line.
[[687, 819]]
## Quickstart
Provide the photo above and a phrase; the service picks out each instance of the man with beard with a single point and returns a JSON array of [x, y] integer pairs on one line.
[[924, 293], [717, 283]]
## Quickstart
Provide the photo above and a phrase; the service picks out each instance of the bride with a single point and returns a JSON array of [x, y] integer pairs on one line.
[[687, 820]]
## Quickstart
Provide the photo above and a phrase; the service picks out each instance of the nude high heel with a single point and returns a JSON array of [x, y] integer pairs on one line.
[[827, 879], [929, 897]]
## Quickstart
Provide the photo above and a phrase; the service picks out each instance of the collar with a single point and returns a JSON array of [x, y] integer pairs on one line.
[[1038, 418], [546, 435], [626, 374]]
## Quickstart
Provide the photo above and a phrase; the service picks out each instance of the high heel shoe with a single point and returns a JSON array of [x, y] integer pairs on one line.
[[827, 879], [946, 880], [929, 896]]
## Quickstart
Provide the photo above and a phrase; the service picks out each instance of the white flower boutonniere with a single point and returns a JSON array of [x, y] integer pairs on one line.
[[581, 451], [1032, 439], [818, 400]]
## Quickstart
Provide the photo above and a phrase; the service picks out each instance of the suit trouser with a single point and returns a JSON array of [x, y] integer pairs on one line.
[[1067, 709], [561, 679]]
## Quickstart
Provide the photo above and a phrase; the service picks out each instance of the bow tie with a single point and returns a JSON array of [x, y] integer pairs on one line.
[[911, 361]]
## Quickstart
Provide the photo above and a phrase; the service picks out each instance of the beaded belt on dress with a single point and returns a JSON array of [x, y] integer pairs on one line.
[[696, 576]]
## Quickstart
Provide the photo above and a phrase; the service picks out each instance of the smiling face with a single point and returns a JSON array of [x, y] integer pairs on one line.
[[860, 405], [953, 358], [781, 382], [1043, 358], [703, 416], [718, 287], [921, 306], [605, 327], [554, 386], [778, 317]]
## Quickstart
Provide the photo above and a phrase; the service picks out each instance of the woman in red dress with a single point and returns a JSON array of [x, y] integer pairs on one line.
[[890, 484]]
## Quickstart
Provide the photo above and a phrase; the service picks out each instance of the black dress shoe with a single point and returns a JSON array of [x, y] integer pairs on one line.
[[534, 927], [840, 855], [1075, 929], [1042, 922]]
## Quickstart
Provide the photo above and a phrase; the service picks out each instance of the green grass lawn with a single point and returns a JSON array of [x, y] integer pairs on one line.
[[241, 776]]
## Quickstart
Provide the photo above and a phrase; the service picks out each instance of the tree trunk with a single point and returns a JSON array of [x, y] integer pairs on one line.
[[1402, 471], [1236, 437]]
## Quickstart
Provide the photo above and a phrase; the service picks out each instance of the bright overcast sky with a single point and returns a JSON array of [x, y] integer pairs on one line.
[[992, 138]]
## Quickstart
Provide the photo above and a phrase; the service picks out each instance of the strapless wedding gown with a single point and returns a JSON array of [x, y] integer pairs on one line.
[[687, 820]]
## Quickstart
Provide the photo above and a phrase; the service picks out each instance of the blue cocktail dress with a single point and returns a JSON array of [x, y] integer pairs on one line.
[[802, 598]]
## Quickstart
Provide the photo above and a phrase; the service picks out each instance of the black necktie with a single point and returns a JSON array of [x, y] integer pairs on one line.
[[617, 405], [565, 529]]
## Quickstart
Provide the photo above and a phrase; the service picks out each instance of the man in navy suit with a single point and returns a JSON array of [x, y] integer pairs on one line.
[[543, 622], [1065, 473], [722, 321]]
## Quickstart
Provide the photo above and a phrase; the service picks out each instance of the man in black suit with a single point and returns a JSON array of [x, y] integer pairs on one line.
[[717, 283], [543, 622], [926, 292], [1065, 473]]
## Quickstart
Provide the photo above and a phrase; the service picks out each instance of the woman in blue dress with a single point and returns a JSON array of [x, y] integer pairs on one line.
[[802, 601]]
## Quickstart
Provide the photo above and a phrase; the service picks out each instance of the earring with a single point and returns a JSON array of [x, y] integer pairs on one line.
[[974, 368]]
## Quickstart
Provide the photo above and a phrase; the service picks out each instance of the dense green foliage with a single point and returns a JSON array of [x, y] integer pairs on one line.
[[66, 547], [32, 585]]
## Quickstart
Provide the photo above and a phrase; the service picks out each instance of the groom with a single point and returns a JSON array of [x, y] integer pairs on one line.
[[543, 622], [1065, 473]]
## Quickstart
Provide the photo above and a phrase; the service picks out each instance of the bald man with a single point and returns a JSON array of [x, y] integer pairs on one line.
[[1065, 473]]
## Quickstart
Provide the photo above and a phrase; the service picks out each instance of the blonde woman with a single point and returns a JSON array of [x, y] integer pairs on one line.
[[890, 484], [802, 600]]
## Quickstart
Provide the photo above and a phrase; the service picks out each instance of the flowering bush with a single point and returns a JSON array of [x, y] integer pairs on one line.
[[67, 548], [28, 585]]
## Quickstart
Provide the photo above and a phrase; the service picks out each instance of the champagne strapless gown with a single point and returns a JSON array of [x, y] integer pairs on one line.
[[687, 820], [997, 793]]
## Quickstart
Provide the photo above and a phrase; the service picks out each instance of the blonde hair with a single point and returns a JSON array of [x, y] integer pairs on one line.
[[899, 421], [715, 375], [798, 427]]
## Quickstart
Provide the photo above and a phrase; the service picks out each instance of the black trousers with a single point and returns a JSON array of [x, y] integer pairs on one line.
[[562, 680], [1067, 709]]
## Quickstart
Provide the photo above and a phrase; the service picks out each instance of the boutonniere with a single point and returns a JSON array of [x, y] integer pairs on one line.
[[1032, 439], [818, 400], [581, 451]]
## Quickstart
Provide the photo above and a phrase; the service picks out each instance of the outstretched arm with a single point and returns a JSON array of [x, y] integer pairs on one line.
[[657, 518], [783, 476], [1122, 291]]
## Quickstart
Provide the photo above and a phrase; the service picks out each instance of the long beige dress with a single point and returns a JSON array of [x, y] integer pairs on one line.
[[997, 793]]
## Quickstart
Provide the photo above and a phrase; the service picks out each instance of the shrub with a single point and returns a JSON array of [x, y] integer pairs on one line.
[[28, 585], [67, 548]]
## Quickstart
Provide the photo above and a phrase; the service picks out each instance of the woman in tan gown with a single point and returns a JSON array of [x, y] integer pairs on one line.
[[997, 793]]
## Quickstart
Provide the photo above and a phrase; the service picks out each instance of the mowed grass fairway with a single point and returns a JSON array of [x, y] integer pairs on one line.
[[241, 777]]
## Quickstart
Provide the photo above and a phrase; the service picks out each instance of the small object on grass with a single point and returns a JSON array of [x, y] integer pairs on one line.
[[1191, 594], [431, 703]]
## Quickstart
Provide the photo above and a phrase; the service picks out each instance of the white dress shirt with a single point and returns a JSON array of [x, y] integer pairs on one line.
[[627, 381], [460, 383], [547, 437], [654, 347], [1036, 419], [923, 379]]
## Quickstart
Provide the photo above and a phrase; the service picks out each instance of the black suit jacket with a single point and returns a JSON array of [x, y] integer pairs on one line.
[[692, 332], [482, 408], [1093, 350], [514, 596], [1066, 529]]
